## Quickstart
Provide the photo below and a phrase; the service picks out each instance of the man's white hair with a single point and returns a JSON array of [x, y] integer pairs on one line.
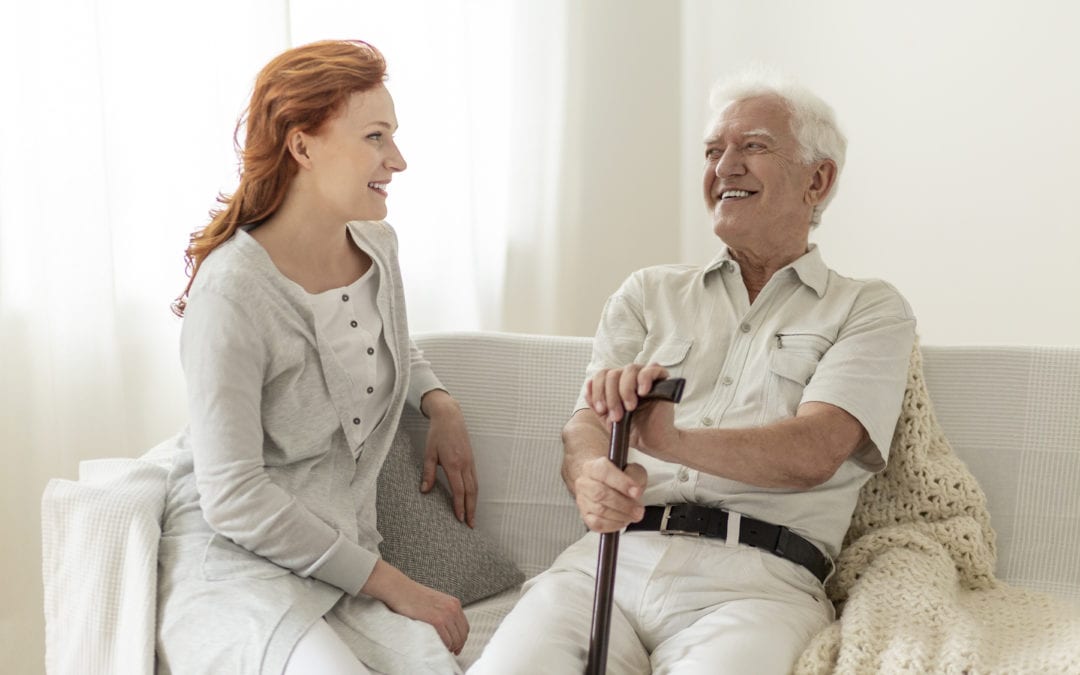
[[812, 119]]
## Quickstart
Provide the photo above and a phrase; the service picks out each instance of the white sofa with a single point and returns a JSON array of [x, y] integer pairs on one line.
[[1011, 413]]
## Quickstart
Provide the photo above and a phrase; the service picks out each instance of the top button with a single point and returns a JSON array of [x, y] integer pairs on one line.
[[745, 328], [727, 380], [344, 297], [370, 350], [353, 324]]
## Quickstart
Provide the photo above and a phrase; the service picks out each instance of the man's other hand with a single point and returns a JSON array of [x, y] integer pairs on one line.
[[609, 499]]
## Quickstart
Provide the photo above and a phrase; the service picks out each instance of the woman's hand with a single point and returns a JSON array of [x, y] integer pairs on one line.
[[416, 601], [448, 445]]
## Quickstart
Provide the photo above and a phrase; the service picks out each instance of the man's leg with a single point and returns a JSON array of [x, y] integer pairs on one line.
[[763, 637], [761, 624], [547, 632]]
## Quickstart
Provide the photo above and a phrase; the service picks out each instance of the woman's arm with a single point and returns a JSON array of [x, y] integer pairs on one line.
[[448, 444], [404, 596], [225, 357]]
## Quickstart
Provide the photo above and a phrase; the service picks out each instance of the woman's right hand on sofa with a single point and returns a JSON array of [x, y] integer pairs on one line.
[[416, 601]]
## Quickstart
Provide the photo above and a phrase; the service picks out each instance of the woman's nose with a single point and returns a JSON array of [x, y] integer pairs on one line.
[[396, 161]]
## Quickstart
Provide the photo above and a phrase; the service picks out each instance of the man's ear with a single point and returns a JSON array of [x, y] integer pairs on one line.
[[297, 144], [821, 182]]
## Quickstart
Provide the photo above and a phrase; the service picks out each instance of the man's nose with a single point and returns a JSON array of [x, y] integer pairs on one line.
[[730, 163]]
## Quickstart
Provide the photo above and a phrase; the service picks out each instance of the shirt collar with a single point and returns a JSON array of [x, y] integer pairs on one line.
[[812, 271], [809, 268], [717, 263]]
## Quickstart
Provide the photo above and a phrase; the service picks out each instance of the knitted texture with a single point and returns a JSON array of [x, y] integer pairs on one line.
[[914, 583]]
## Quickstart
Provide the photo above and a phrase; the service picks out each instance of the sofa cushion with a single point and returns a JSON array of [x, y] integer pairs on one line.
[[516, 392], [423, 538]]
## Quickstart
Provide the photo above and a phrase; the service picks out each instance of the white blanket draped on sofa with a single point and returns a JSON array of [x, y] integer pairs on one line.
[[915, 579]]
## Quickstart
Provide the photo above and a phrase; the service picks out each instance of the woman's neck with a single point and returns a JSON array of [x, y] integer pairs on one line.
[[311, 248]]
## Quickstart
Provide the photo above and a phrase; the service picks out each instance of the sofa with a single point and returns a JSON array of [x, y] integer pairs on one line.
[[1012, 414]]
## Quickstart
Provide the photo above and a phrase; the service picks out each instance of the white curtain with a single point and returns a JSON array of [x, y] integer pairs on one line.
[[116, 121], [478, 86]]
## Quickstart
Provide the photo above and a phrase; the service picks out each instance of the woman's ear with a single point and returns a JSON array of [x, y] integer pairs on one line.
[[297, 144], [821, 182]]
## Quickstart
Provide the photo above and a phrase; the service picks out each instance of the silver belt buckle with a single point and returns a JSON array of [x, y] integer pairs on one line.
[[664, 528]]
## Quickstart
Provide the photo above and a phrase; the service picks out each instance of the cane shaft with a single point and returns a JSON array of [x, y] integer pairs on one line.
[[666, 390], [605, 563]]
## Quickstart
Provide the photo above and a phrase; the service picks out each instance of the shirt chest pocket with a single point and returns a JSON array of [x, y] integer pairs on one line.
[[670, 353], [792, 365]]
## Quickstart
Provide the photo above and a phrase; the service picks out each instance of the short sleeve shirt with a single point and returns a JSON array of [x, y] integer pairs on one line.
[[810, 335]]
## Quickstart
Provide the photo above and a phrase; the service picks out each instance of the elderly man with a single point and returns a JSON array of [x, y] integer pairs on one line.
[[795, 376]]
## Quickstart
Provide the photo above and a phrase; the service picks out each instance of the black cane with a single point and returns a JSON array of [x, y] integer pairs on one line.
[[664, 390]]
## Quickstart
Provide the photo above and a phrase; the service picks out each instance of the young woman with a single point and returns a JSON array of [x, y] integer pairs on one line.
[[298, 362]]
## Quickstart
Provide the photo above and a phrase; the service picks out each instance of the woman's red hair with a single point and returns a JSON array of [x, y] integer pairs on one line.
[[297, 91]]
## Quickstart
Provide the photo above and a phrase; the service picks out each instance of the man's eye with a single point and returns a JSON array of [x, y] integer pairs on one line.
[[755, 146], [712, 153]]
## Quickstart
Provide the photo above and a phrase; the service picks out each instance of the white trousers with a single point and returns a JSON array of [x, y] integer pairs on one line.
[[682, 605], [321, 651], [386, 642]]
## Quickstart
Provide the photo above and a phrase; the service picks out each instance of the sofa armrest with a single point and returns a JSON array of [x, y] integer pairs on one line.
[[99, 565]]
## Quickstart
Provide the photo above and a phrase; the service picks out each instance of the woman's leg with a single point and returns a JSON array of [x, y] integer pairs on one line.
[[320, 650]]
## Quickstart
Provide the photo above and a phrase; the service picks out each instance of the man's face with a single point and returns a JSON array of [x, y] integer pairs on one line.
[[760, 194]]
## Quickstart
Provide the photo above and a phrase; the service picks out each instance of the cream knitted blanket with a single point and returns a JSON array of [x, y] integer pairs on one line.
[[915, 583]]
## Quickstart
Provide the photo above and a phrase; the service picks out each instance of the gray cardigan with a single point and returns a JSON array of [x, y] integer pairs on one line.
[[269, 520]]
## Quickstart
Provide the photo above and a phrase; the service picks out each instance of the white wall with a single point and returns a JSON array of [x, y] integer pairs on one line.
[[619, 179], [964, 150]]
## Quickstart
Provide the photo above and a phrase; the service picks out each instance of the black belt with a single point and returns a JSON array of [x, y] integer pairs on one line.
[[694, 519]]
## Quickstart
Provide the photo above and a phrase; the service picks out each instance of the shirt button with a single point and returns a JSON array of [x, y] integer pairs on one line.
[[706, 421], [370, 389], [683, 475], [344, 297], [356, 420], [745, 328], [726, 381], [370, 351], [353, 324]]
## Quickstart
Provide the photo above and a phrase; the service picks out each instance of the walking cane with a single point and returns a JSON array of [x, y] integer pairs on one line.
[[663, 390]]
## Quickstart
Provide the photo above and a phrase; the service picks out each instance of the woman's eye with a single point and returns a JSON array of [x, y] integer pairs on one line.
[[377, 136]]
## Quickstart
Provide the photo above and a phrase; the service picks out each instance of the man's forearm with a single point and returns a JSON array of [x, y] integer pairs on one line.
[[800, 452], [584, 438]]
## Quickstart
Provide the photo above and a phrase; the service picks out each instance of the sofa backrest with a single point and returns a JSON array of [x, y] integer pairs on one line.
[[516, 392], [1011, 414]]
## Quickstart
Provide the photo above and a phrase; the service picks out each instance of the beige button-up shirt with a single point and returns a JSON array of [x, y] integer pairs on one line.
[[810, 335]]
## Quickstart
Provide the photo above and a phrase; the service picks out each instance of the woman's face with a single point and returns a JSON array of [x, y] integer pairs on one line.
[[354, 156]]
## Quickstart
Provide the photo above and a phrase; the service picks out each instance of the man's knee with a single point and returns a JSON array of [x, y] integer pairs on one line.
[[546, 631]]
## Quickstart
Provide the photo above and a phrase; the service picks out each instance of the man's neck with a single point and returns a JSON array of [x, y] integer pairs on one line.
[[757, 270]]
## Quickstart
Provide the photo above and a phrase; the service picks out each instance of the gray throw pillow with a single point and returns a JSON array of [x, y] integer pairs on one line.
[[423, 538]]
